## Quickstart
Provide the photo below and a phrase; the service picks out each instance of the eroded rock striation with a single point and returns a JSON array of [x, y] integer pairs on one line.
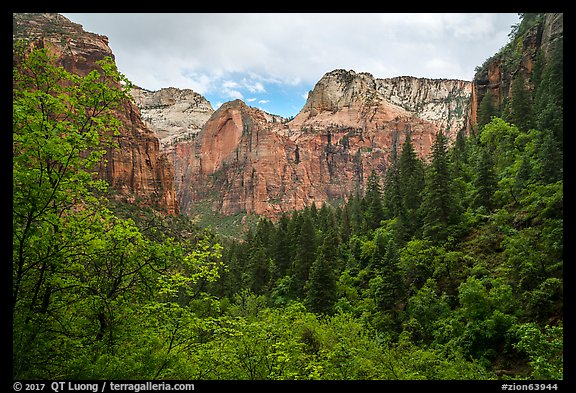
[[245, 161], [495, 76], [136, 169], [175, 115], [177, 152]]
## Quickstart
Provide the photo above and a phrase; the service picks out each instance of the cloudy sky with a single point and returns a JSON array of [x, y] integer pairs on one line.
[[272, 61]]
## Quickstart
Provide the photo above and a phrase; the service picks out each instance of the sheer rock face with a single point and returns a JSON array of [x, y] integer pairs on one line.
[[443, 102], [360, 99], [136, 169], [243, 160], [175, 115], [237, 162], [496, 77]]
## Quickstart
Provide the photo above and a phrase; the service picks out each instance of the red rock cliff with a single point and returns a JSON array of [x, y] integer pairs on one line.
[[495, 76], [244, 161], [136, 169]]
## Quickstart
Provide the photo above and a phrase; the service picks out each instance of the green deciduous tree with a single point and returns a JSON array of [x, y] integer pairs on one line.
[[64, 238], [545, 349], [83, 278]]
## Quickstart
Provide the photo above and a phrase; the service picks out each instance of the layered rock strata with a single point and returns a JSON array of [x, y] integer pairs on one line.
[[175, 115], [496, 75], [136, 169], [177, 152], [245, 161]]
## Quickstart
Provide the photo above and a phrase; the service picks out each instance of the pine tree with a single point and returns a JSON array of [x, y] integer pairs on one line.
[[381, 239], [411, 184], [521, 104], [321, 286], [327, 220], [264, 232], [461, 166], [549, 95], [439, 207], [305, 254], [486, 109], [259, 269], [486, 181], [313, 210], [346, 226], [280, 244], [391, 291], [392, 198], [374, 213], [524, 177], [293, 229], [233, 277], [355, 209], [460, 154], [387, 288], [550, 155]]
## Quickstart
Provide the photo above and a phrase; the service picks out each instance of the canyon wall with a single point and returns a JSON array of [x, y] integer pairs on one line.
[[175, 115], [243, 160], [496, 75], [136, 169], [175, 152]]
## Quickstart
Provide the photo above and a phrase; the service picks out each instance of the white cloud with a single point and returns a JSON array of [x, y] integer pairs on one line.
[[252, 86], [440, 66], [228, 84], [293, 47], [243, 54], [263, 101], [233, 94]]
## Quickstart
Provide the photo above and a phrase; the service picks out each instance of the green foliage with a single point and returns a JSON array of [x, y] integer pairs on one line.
[[549, 93], [521, 103], [450, 268], [499, 137], [411, 183], [445, 302], [374, 213], [58, 120], [321, 286], [545, 349], [487, 109], [82, 277], [440, 208], [485, 181], [424, 308], [305, 253]]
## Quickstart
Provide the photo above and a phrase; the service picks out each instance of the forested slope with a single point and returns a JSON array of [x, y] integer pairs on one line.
[[444, 268]]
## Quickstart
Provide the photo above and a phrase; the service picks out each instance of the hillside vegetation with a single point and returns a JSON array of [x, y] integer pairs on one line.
[[450, 268]]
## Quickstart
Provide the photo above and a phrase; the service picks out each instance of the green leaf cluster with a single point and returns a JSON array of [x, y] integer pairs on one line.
[[447, 267]]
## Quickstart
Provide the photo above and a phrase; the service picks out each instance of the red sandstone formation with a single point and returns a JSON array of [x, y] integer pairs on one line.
[[136, 169]]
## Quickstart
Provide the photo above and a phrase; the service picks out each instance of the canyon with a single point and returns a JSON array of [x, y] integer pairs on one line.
[[136, 169], [244, 160], [176, 152]]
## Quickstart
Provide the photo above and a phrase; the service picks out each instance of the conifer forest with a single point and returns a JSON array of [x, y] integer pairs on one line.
[[447, 267]]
